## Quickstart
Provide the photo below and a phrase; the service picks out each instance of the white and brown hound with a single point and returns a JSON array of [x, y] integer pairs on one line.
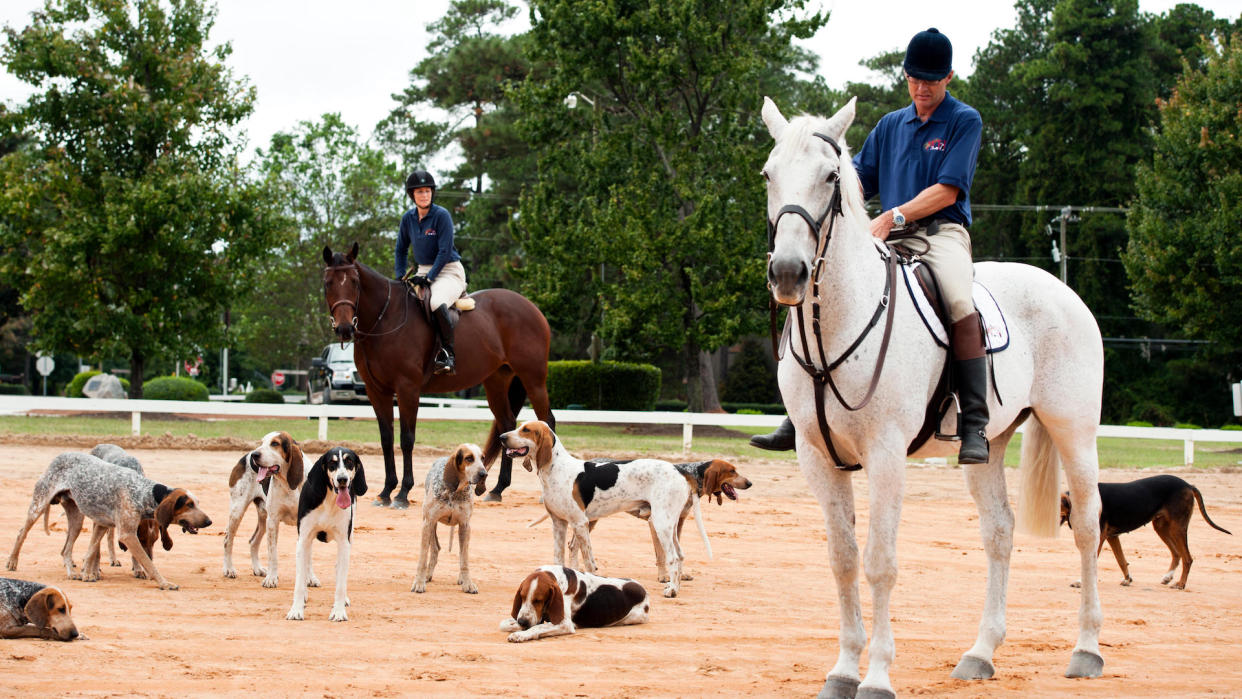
[[555, 600], [575, 493], [113, 497], [448, 500], [34, 610], [326, 512], [270, 476]]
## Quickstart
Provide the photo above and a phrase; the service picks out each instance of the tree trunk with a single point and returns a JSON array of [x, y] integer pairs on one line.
[[707, 383], [137, 362]]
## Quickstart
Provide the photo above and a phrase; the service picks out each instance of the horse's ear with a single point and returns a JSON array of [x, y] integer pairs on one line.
[[353, 252], [843, 118], [773, 118], [327, 255]]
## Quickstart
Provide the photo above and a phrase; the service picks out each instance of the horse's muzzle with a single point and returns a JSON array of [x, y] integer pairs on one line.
[[787, 279], [344, 331]]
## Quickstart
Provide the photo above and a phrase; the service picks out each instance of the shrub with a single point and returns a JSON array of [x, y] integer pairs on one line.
[[676, 406], [174, 388], [265, 395], [1187, 426], [754, 408], [751, 379], [1233, 428], [14, 389], [603, 385], [74, 389], [1139, 423]]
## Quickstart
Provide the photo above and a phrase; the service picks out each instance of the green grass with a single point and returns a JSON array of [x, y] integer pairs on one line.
[[583, 439]]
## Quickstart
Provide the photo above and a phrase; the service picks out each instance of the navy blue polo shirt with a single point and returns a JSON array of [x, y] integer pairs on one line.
[[432, 238], [903, 156]]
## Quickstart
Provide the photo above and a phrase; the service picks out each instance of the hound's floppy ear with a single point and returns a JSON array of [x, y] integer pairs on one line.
[[165, 539], [555, 606], [38, 606], [294, 477], [167, 508], [543, 455], [353, 253], [452, 473], [520, 595], [238, 471], [327, 255], [711, 482], [772, 116], [358, 486]]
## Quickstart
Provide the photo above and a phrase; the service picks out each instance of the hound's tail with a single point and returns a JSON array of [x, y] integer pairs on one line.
[[1203, 511], [450, 536], [48, 509], [1039, 506], [545, 516], [698, 518]]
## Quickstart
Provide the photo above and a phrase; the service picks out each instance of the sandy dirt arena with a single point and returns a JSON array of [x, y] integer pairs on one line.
[[758, 620]]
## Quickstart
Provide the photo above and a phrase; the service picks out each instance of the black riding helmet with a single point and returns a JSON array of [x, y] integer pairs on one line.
[[419, 178], [929, 56]]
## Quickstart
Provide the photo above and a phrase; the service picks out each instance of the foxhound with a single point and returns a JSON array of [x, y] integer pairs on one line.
[[448, 500], [554, 600], [112, 496], [575, 493], [33, 610], [326, 512], [270, 476]]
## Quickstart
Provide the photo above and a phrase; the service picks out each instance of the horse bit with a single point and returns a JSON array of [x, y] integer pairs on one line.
[[820, 377]]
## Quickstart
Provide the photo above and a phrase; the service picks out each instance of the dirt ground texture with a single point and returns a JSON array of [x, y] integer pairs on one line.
[[758, 620]]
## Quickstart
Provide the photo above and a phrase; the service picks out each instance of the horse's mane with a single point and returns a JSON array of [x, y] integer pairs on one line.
[[800, 134]]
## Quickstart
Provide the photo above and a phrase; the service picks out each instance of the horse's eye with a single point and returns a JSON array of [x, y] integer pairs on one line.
[[765, 176], [833, 176]]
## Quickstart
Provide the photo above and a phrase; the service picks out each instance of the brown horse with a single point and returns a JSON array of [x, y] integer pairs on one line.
[[502, 344]]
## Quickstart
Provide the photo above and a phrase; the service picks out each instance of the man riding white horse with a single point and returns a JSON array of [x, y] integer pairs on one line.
[[921, 160]]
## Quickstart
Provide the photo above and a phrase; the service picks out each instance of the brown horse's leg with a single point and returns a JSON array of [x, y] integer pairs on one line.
[[409, 419], [504, 397], [381, 404]]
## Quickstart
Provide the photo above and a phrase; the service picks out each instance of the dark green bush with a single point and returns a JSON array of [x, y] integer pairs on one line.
[[174, 388], [14, 389], [755, 408], [671, 405], [603, 385], [265, 395], [74, 389], [750, 378]]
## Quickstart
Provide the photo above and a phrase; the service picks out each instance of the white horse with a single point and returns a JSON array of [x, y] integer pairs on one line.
[[1052, 371]]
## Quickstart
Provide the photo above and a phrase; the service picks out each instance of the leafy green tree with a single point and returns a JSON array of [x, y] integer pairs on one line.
[[334, 190], [1183, 260], [644, 208], [456, 99], [127, 224]]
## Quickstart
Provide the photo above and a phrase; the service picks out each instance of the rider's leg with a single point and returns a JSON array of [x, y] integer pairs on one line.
[[782, 439], [448, 286], [949, 257], [445, 363]]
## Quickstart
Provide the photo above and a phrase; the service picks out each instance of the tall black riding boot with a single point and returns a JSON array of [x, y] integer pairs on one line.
[[444, 326], [970, 374], [782, 439]]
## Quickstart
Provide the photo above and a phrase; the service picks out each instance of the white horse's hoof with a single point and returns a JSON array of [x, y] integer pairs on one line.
[[837, 687], [1085, 664], [972, 668], [875, 693]]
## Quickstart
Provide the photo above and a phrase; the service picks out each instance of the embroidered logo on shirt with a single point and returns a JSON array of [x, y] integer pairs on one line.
[[936, 144], [429, 231]]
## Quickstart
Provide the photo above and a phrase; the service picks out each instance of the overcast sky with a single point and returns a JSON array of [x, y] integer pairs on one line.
[[310, 57]]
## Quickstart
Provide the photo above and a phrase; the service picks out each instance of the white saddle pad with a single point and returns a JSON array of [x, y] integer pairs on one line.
[[995, 331]]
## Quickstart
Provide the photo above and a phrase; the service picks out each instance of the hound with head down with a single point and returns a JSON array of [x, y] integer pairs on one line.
[[270, 476], [113, 497], [148, 530], [326, 512], [554, 600], [34, 610], [448, 500], [575, 493]]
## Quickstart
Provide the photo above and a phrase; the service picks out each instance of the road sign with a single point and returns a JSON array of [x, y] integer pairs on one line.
[[194, 367], [278, 378], [45, 365]]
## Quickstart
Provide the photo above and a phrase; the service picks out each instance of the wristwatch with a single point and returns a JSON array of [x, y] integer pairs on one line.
[[899, 219]]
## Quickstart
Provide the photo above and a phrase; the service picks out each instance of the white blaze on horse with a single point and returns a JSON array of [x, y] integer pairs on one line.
[[1052, 371]]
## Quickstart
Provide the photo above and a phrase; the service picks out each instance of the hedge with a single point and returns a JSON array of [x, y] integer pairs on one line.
[[603, 385], [265, 395], [74, 389], [174, 388], [14, 389]]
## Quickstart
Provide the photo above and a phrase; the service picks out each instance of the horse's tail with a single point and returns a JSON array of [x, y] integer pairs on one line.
[[517, 396], [1039, 506]]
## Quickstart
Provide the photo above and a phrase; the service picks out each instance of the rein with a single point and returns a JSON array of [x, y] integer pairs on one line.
[[822, 377]]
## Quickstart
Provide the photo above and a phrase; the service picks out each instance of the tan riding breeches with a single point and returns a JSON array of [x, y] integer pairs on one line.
[[448, 285], [949, 256]]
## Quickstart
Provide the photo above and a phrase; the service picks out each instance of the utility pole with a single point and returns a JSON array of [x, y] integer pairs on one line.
[[1065, 214]]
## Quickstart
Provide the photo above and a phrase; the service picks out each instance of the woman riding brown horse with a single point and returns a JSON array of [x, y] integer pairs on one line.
[[502, 343]]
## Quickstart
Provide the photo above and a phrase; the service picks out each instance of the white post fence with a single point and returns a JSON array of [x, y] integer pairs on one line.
[[472, 410]]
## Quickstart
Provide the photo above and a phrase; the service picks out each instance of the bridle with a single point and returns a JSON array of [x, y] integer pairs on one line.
[[378, 319], [821, 377]]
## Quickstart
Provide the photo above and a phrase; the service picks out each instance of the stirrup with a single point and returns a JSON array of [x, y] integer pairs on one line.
[[958, 404], [444, 363]]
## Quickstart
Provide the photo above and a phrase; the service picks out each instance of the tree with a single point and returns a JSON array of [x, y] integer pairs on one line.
[[464, 79], [127, 224], [334, 190], [646, 200], [1183, 260]]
